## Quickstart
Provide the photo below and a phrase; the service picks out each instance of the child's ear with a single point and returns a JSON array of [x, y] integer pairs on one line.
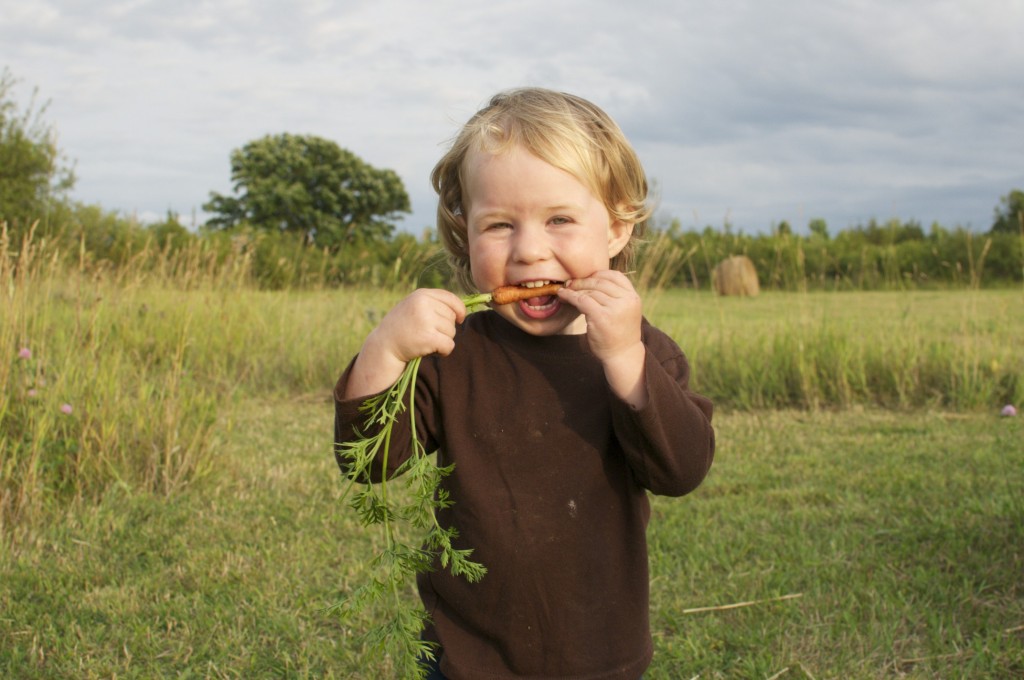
[[619, 233]]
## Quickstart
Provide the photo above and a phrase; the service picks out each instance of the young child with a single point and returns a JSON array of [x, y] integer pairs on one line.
[[560, 412]]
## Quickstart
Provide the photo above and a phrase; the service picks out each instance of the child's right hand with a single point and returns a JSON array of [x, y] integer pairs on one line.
[[420, 324]]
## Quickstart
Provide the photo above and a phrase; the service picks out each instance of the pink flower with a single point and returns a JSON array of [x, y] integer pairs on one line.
[[65, 409], [24, 353], [1008, 410], [32, 393]]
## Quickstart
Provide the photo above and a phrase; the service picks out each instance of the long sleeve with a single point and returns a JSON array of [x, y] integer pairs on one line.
[[350, 424], [670, 443]]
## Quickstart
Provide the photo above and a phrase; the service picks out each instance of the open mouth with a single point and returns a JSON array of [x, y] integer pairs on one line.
[[546, 299]]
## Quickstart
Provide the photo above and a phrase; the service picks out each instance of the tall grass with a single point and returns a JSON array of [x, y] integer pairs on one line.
[[96, 386], [955, 350], [901, 346], [118, 376]]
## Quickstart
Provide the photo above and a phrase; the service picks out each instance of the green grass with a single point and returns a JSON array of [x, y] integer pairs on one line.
[[920, 349], [146, 371], [184, 519], [902, 534]]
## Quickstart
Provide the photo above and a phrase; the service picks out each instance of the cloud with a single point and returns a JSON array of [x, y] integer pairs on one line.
[[760, 111]]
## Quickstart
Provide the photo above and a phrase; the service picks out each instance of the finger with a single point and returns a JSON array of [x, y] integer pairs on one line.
[[451, 302], [588, 301], [594, 294], [609, 282], [445, 345]]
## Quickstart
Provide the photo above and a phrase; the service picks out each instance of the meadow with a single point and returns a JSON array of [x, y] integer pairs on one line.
[[169, 504]]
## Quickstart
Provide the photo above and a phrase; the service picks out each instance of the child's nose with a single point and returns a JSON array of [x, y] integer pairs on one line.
[[530, 245]]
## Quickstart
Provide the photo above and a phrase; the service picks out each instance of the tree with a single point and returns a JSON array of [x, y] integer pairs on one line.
[[32, 173], [310, 186], [818, 226], [1009, 214]]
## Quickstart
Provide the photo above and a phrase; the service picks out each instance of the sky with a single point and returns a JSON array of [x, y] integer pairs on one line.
[[743, 112]]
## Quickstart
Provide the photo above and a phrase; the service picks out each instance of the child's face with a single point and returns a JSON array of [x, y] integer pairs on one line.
[[529, 221]]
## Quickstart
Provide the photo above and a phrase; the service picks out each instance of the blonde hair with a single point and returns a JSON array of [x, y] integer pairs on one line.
[[564, 130]]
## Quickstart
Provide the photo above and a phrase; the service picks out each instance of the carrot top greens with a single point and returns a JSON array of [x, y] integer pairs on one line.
[[399, 561]]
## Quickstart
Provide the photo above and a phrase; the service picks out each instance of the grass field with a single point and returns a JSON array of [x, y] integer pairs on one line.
[[180, 517], [915, 349], [896, 539]]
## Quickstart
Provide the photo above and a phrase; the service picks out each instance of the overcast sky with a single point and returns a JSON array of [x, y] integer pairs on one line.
[[751, 112]]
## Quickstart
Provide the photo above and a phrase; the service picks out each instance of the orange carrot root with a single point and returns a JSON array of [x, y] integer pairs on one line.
[[504, 295]]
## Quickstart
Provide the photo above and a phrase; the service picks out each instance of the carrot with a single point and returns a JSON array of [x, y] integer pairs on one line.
[[504, 295]]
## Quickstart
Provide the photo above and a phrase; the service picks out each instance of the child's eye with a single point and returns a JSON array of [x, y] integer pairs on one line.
[[561, 219]]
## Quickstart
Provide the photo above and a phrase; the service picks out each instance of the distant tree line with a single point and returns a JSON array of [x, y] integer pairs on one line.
[[891, 254], [306, 212]]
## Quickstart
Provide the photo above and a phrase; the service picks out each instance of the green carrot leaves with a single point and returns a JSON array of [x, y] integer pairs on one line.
[[399, 562]]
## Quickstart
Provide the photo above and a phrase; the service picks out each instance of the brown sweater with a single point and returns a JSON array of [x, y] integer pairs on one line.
[[550, 491]]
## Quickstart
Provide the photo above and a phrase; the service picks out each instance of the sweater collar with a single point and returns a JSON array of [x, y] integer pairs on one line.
[[562, 347]]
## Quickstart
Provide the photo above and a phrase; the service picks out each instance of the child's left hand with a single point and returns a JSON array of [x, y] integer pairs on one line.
[[613, 310]]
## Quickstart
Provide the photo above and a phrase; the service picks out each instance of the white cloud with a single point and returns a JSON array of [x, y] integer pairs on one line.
[[763, 111]]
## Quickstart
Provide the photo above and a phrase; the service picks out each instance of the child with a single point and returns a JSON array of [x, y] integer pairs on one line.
[[559, 412]]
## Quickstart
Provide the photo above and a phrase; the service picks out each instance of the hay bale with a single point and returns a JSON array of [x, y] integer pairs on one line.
[[735, 275]]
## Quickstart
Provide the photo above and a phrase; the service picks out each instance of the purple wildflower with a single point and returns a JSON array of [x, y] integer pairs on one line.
[[1008, 410], [32, 393], [65, 409], [24, 353]]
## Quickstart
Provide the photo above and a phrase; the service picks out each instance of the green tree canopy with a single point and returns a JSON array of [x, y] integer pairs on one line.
[[310, 186], [818, 226], [31, 169], [1009, 213]]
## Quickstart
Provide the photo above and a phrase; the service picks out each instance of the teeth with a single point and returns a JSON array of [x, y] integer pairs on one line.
[[535, 284]]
